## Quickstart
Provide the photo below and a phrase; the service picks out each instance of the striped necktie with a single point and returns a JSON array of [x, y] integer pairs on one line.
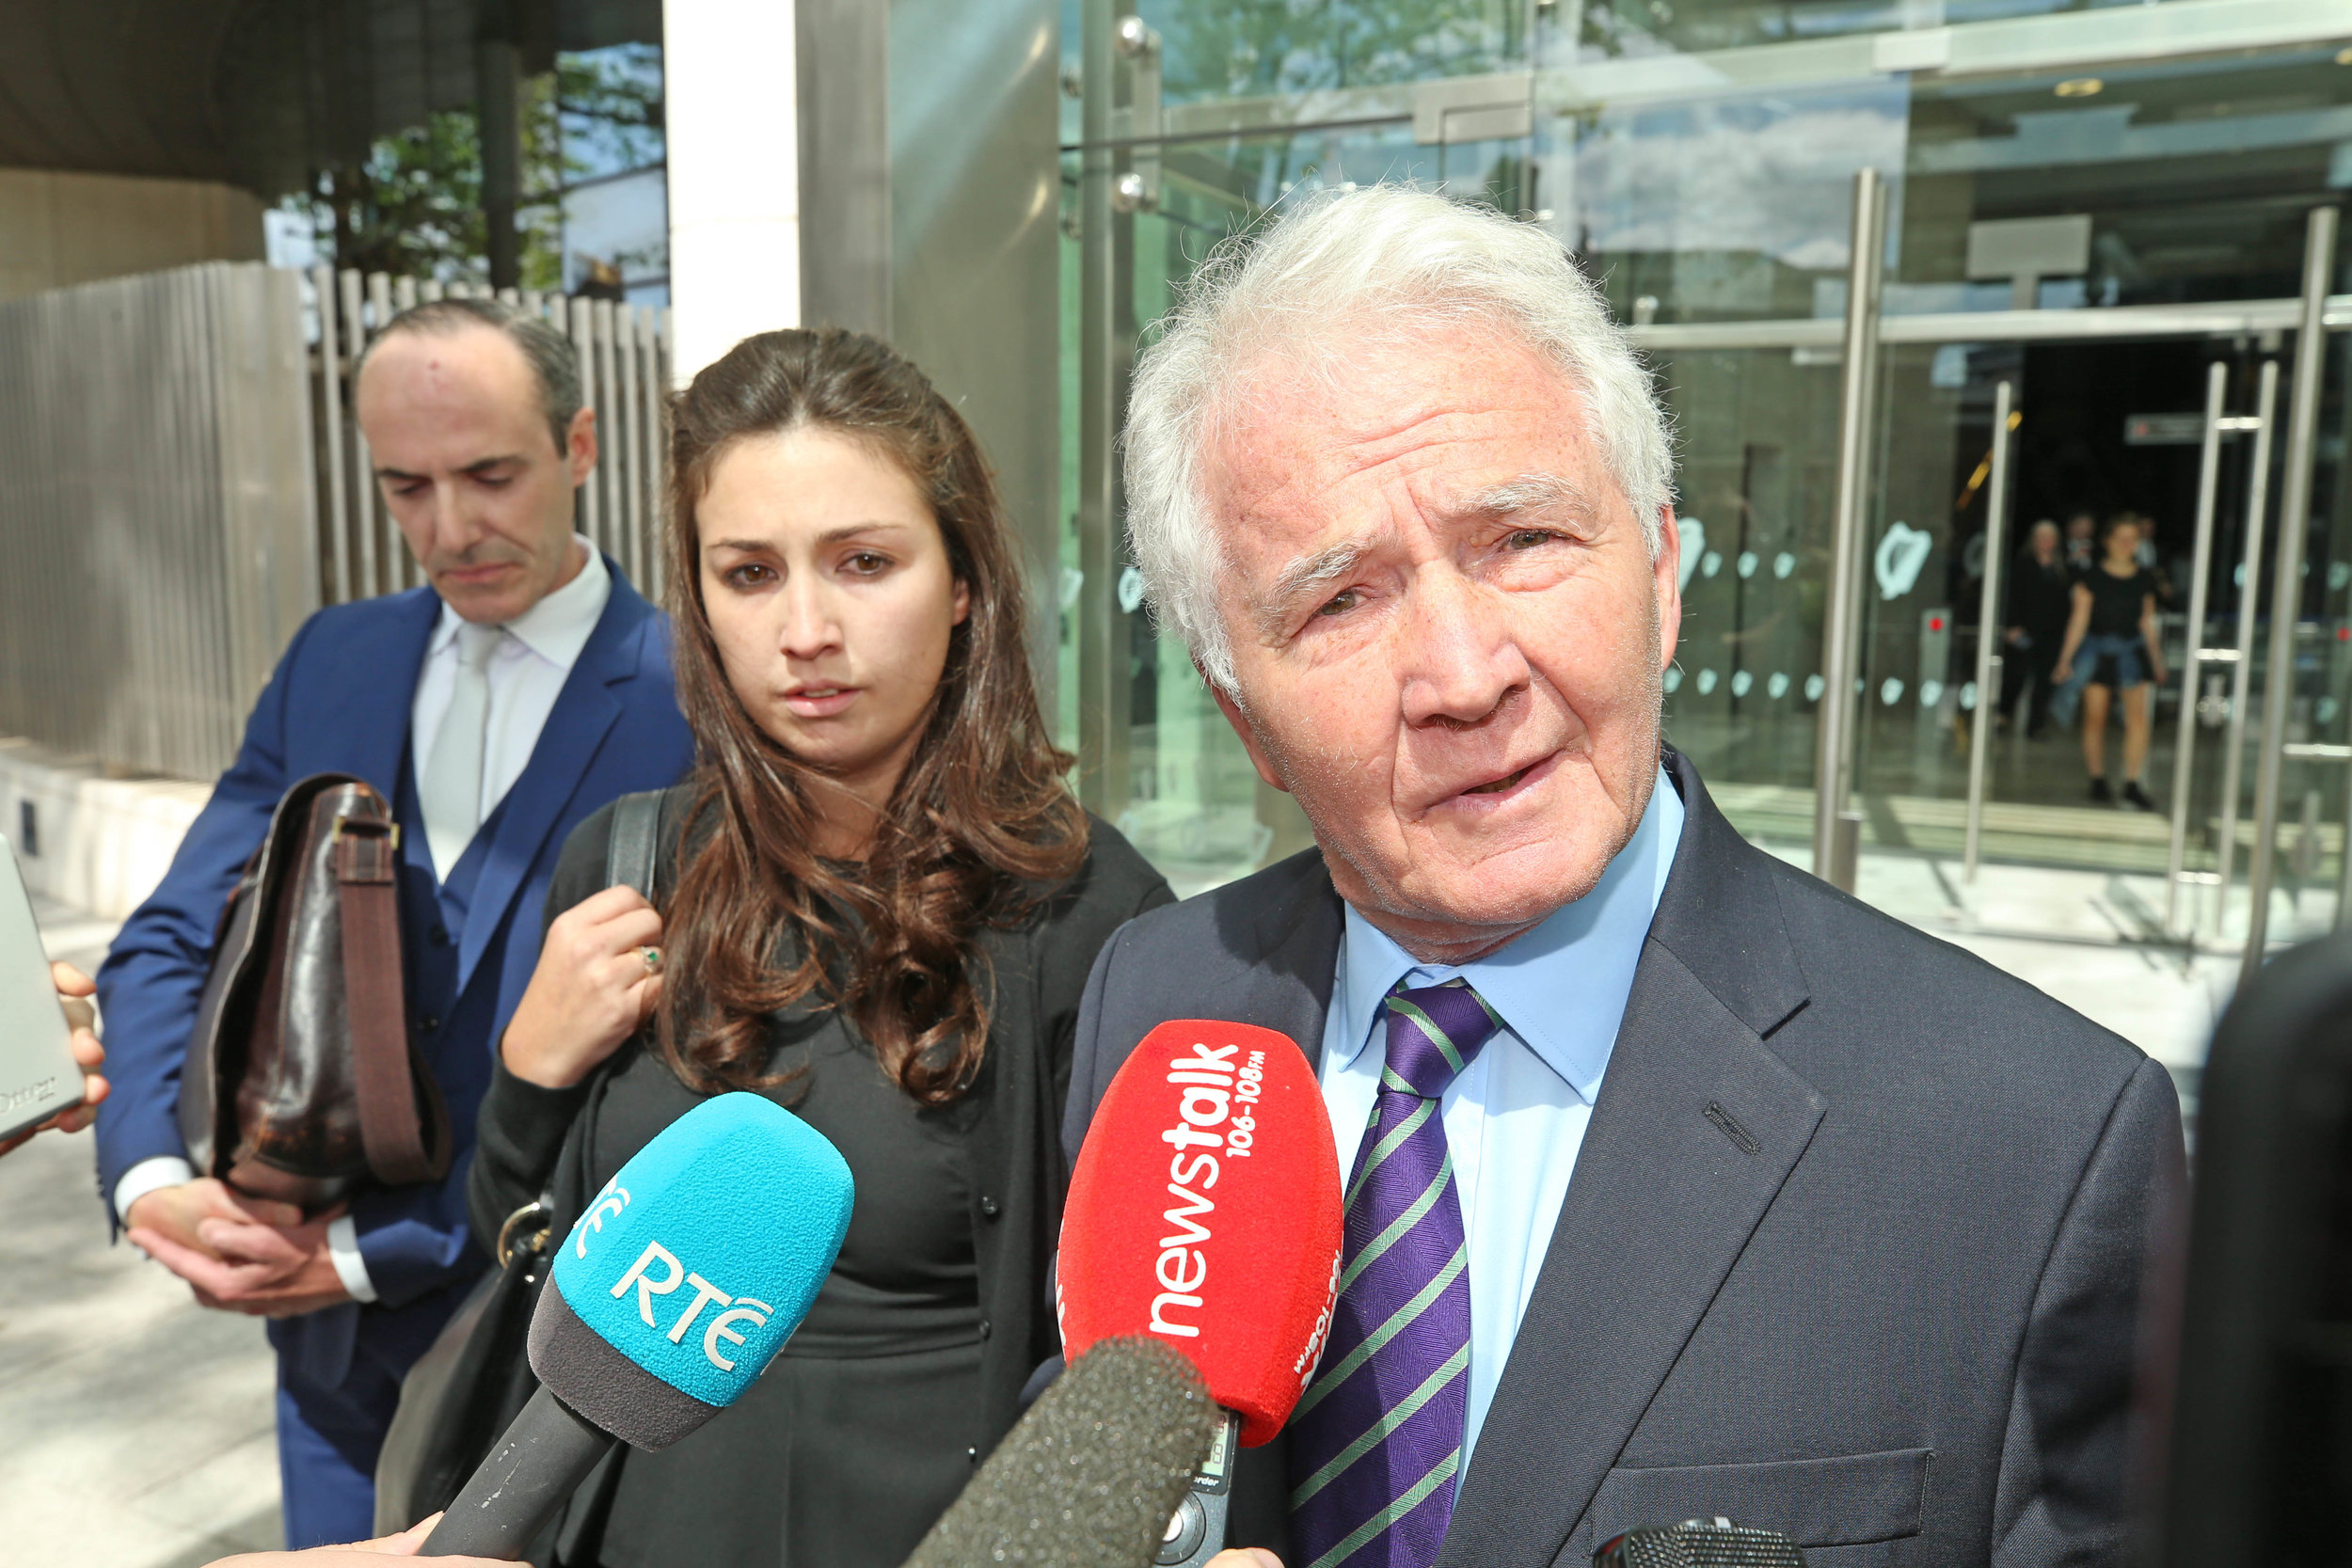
[[1377, 1438]]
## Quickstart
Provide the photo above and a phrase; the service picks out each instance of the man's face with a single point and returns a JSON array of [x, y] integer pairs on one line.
[[470, 470], [1448, 633]]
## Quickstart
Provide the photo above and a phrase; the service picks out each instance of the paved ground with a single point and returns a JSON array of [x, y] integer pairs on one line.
[[137, 1425]]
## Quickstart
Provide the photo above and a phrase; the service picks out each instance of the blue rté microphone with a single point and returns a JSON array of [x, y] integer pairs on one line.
[[667, 1300]]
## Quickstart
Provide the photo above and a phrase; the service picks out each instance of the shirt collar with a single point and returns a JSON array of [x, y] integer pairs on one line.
[[1588, 948], [559, 625]]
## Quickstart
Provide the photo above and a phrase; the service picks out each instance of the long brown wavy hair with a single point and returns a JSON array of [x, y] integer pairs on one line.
[[981, 826]]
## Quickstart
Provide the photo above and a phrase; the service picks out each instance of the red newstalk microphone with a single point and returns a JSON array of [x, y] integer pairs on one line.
[[1204, 1213]]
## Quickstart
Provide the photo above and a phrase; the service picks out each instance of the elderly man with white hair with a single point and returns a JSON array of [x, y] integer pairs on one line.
[[1679, 1183]]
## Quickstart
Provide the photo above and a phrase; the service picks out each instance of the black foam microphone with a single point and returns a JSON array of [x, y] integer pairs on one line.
[[667, 1300], [1091, 1475], [1715, 1543]]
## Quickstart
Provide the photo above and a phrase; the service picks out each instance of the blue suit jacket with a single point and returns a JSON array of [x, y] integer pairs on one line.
[[340, 703]]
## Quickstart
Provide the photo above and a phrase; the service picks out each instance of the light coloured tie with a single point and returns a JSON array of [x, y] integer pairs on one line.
[[450, 790]]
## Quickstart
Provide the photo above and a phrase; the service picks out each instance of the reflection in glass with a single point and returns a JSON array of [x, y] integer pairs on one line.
[[1726, 206]]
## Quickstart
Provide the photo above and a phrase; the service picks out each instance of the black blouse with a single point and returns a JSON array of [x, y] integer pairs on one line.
[[2117, 602], [936, 1308]]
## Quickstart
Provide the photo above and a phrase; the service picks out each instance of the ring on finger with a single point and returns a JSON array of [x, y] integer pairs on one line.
[[652, 956]]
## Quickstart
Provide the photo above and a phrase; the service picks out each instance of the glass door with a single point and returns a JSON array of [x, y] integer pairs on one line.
[[2190, 443]]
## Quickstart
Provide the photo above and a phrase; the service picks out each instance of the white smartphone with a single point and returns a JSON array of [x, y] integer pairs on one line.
[[39, 1076]]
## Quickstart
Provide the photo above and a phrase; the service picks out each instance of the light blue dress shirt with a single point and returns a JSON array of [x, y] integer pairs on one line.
[[1515, 1120]]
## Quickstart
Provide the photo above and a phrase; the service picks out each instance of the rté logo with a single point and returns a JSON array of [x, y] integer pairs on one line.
[[738, 1310]]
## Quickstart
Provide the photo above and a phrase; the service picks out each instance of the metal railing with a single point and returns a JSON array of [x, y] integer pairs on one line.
[[624, 372], [182, 482]]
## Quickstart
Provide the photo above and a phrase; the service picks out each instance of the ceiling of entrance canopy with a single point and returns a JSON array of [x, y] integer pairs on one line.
[[258, 92]]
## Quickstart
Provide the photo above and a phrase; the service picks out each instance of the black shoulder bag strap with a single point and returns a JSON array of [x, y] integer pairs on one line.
[[636, 843], [460, 1396]]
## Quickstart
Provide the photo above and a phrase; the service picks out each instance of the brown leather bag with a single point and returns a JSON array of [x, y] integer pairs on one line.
[[301, 1083]]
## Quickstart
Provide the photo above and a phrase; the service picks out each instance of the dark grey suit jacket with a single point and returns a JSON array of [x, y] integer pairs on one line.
[[1853, 1246]]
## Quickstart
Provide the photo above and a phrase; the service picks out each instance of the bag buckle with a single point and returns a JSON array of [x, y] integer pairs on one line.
[[534, 1210], [348, 824]]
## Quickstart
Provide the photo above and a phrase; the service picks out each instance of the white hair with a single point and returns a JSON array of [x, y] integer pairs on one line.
[[1385, 258]]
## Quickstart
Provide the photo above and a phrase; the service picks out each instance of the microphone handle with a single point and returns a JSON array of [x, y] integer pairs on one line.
[[535, 1468], [1198, 1531]]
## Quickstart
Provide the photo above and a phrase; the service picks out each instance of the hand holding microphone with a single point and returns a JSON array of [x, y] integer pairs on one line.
[[666, 1301]]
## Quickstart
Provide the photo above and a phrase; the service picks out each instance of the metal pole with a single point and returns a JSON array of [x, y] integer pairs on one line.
[[1831, 839], [2242, 673], [1988, 627], [2192, 651], [2343, 868], [331, 429], [2295, 505], [1097, 422]]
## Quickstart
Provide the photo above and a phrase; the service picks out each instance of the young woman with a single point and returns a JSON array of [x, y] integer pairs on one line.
[[877, 904], [2113, 625]]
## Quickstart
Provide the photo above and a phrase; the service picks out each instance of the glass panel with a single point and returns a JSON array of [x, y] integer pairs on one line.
[[1614, 28], [1220, 48], [2314, 790], [2104, 429], [2165, 183], [2193, 177], [1735, 206], [1758, 433]]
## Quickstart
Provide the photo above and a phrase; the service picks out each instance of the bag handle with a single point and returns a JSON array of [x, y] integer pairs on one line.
[[630, 857], [402, 1148]]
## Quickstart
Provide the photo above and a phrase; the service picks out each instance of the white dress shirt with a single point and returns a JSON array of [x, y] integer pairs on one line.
[[527, 673], [1514, 1119]]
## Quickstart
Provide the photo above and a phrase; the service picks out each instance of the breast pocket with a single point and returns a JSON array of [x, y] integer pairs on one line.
[[1856, 1501]]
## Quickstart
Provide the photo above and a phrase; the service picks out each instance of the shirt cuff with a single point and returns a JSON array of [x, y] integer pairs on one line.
[[163, 1170], [342, 1250]]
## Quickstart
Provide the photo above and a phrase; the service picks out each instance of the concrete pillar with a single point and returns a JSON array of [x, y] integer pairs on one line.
[[734, 171]]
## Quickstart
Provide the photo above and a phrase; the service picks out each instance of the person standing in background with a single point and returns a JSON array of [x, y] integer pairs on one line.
[[2113, 647], [2082, 541], [528, 685], [2041, 597]]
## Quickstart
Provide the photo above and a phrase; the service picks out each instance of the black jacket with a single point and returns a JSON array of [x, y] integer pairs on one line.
[[1019, 1173], [1893, 1318]]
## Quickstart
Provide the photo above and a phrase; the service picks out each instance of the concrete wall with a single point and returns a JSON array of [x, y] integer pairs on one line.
[[61, 229], [102, 844]]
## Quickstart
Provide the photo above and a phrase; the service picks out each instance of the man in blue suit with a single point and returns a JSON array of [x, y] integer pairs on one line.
[[528, 685]]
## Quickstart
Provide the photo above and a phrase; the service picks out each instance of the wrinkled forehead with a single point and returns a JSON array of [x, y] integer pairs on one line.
[[1444, 414]]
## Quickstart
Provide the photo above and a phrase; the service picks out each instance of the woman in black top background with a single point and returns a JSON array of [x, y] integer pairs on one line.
[[2113, 629], [877, 904]]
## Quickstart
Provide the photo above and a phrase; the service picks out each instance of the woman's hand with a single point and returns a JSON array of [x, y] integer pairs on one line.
[[599, 977], [74, 989], [2063, 671]]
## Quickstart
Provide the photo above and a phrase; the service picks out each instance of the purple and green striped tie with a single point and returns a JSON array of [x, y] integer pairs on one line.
[[1377, 1439]]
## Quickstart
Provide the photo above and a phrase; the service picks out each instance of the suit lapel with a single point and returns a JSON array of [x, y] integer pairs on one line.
[[584, 713], [1296, 937], [1697, 1126]]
